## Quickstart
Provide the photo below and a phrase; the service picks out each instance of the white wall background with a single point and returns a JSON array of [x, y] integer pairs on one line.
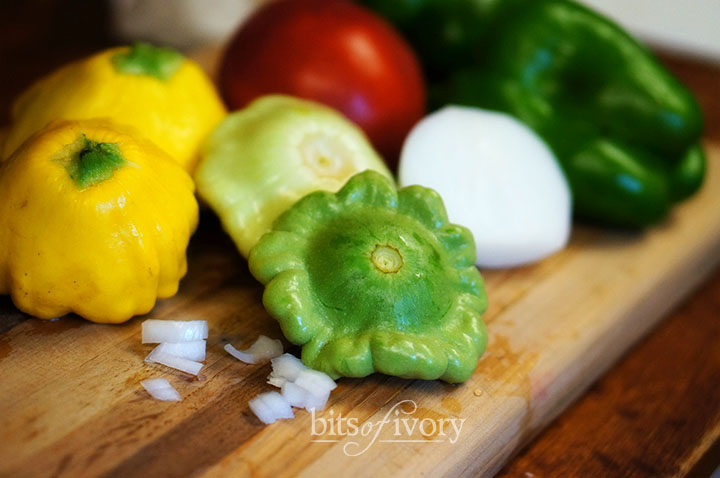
[[686, 26], [691, 27]]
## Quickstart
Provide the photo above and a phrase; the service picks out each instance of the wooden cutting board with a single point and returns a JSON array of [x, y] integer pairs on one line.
[[71, 404]]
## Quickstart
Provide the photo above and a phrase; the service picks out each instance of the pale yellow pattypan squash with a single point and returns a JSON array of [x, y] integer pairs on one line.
[[93, 220], [156, 90], [260, 160]]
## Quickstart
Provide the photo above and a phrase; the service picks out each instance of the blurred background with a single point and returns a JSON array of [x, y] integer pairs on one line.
[[688, 27], [39, 35]]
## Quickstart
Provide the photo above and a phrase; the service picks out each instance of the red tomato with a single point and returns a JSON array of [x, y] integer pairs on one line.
[[333, 52]]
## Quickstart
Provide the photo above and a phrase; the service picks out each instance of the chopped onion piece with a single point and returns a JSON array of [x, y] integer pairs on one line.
[[276, 381], [302, 398], [160, 389], [266, 348], [270, 406], [315, 382], [316, 402], [194, 350], [173, 331], [294, 395], [287, 366], [261, 351], [239, 354], [301, 387], [179, 363]]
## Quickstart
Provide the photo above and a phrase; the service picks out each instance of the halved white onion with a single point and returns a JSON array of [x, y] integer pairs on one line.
[[194, 350], [179, 363], [160, 389], [261, 351], [497, 177], [271, 406], [156, 331]]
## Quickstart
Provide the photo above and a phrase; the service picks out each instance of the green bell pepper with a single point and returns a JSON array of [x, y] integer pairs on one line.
[[375, 279], [625, 130]]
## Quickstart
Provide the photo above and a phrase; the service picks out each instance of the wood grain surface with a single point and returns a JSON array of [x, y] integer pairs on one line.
[[656, 414], [72, 403]]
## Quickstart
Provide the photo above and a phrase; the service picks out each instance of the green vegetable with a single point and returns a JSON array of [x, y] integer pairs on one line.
[[146, 59], [260, 160], [625, 130], [89, 162], [372, 279]]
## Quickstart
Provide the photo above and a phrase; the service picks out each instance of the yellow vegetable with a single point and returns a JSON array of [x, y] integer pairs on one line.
[[93, 220], [157, 91]]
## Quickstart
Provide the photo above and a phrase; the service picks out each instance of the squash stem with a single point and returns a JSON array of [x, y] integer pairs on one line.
[[387, 259], [90, 163], [146, 59]]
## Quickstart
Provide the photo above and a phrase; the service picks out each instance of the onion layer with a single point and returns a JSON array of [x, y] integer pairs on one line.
[[270, 406], [179, 363], [261, 351], [194, 350], [160, 389], [156, 331]]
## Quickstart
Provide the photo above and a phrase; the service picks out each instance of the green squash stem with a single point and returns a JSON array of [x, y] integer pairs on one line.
[[146, 59], [89, 163]]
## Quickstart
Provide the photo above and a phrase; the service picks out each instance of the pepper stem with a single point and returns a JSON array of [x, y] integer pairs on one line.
[[386, 259], [146, 59], [89, 163]]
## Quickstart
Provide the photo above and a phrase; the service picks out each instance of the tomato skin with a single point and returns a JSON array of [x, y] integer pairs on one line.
[[334, 52]]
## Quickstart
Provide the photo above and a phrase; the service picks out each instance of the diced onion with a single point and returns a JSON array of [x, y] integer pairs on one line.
[[265, 348], [287, 367], [276, 381], [238, 354], [194, 350], [315, 382], [173, 331], [271, 406], [160, 389], [316, 402], [294, 395], [179, 363], [301, 387], [299, 397], [261, 351]]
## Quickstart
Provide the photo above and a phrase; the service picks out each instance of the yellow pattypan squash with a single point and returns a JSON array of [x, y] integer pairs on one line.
[[93, 220], [156, 90]]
